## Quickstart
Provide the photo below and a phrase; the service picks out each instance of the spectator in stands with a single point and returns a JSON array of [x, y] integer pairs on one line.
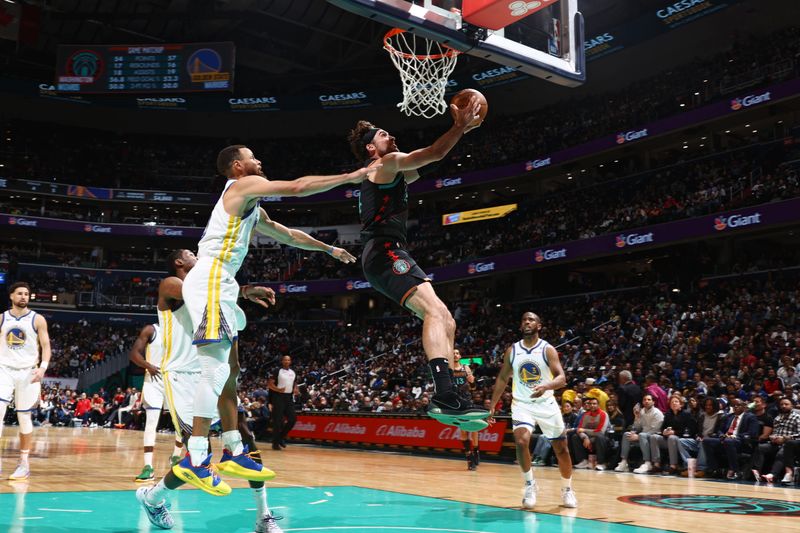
[[678, 425], [83, 409], [786, 430], [132, 398], [629, 394], [660, 397], [647, 421], [593, 391], [737, 434], [590, 437]]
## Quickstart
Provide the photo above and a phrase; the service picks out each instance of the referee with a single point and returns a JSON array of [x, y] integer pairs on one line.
[[282, 387]]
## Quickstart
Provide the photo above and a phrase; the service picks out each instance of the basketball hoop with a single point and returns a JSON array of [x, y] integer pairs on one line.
[[425, 66]]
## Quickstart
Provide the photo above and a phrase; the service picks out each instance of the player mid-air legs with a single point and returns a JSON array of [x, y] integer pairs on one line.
[[390, 269]]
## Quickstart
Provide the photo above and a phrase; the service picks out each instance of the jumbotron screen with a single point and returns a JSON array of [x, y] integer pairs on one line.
[[147, 68]]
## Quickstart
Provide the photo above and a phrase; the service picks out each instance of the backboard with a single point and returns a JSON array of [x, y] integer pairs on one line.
[[543, 38]]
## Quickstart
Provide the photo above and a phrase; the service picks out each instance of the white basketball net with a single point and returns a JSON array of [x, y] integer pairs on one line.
[[425, 66]]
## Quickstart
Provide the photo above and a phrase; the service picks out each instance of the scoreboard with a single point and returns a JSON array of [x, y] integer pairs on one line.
[[147, 68]]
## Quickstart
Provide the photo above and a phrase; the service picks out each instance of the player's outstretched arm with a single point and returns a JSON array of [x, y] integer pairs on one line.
[[40, 323], [462, 117], [139, 348], [297, 238], [256, 186], [502, 379]]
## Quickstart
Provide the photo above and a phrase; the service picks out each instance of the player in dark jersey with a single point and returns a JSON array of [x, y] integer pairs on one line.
[[463, 380], [390, 269]]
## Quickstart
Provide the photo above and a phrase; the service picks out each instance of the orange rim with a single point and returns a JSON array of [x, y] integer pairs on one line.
[[451, 52]]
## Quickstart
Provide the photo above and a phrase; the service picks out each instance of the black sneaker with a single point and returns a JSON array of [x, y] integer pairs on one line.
[[453, 404]]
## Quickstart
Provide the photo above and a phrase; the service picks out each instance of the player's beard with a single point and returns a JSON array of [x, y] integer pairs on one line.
[[21, 305]]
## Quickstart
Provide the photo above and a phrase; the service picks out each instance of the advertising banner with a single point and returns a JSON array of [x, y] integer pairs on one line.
[[420, 432], [709, 226], [55, 224], [478, 214]]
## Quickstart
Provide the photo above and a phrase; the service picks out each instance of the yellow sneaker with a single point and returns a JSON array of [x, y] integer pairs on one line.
[[243, 466], [204, 477]]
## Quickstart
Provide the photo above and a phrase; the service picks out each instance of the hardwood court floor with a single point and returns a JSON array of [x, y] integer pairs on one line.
[[80, 471]]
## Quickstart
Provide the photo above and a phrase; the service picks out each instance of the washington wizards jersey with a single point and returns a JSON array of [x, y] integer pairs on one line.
[[531, 368], [20, 342], [383, 208]]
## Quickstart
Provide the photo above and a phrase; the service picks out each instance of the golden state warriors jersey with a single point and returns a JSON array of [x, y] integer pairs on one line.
[[531, 368], [20, 341], [155, 348], [180, 355], [227, 237]]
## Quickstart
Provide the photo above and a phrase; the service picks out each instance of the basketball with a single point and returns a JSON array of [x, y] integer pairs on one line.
[[462, 98]]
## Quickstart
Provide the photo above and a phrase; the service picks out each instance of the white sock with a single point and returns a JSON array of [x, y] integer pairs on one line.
[[23, 456], [528, 476], [260, 495], [198, 449], [148, 458], [233, 441], [566, 482], [158, 495], [177, 451]]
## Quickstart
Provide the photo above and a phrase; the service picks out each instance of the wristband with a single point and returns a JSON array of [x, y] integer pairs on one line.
[[330, 250], [44, 365], [244, 291]]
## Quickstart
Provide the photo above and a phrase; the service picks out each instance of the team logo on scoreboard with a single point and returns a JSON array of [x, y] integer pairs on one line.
[[529, 373], [205, 66], [703, 503], [85, 65], [15, 339]]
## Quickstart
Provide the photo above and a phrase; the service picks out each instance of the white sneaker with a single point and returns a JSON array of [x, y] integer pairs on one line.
[[22, 472], [157, 514], [646, 467], [529, 498], [600, 467], [268, 524], [788, 479], [568, 498], [622, 467], [582, 464]]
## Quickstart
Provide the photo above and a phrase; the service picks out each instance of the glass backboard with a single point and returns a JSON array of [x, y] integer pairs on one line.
[[543, 38]]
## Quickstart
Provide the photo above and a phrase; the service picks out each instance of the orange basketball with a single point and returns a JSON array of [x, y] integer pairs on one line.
[[461, 99]]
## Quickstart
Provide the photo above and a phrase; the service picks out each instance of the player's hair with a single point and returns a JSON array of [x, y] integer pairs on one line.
[[171, 258], [358, 148], [227, 156], [17, 285], [534, 314]]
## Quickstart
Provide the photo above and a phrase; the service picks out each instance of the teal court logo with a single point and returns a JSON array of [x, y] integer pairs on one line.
[[734, 505]]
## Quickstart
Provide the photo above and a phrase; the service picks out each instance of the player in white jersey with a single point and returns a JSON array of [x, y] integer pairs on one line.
[[210, 292], [147, 352], [537, 372], [24, 334], [180, 371]]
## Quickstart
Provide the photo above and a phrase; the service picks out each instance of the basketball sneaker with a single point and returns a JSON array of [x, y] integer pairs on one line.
[[157, 514], [23, 471], [243, 466], [529, 497], [145, 475], [268, 524], [568, 498], [455, 410], [204, 477]]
